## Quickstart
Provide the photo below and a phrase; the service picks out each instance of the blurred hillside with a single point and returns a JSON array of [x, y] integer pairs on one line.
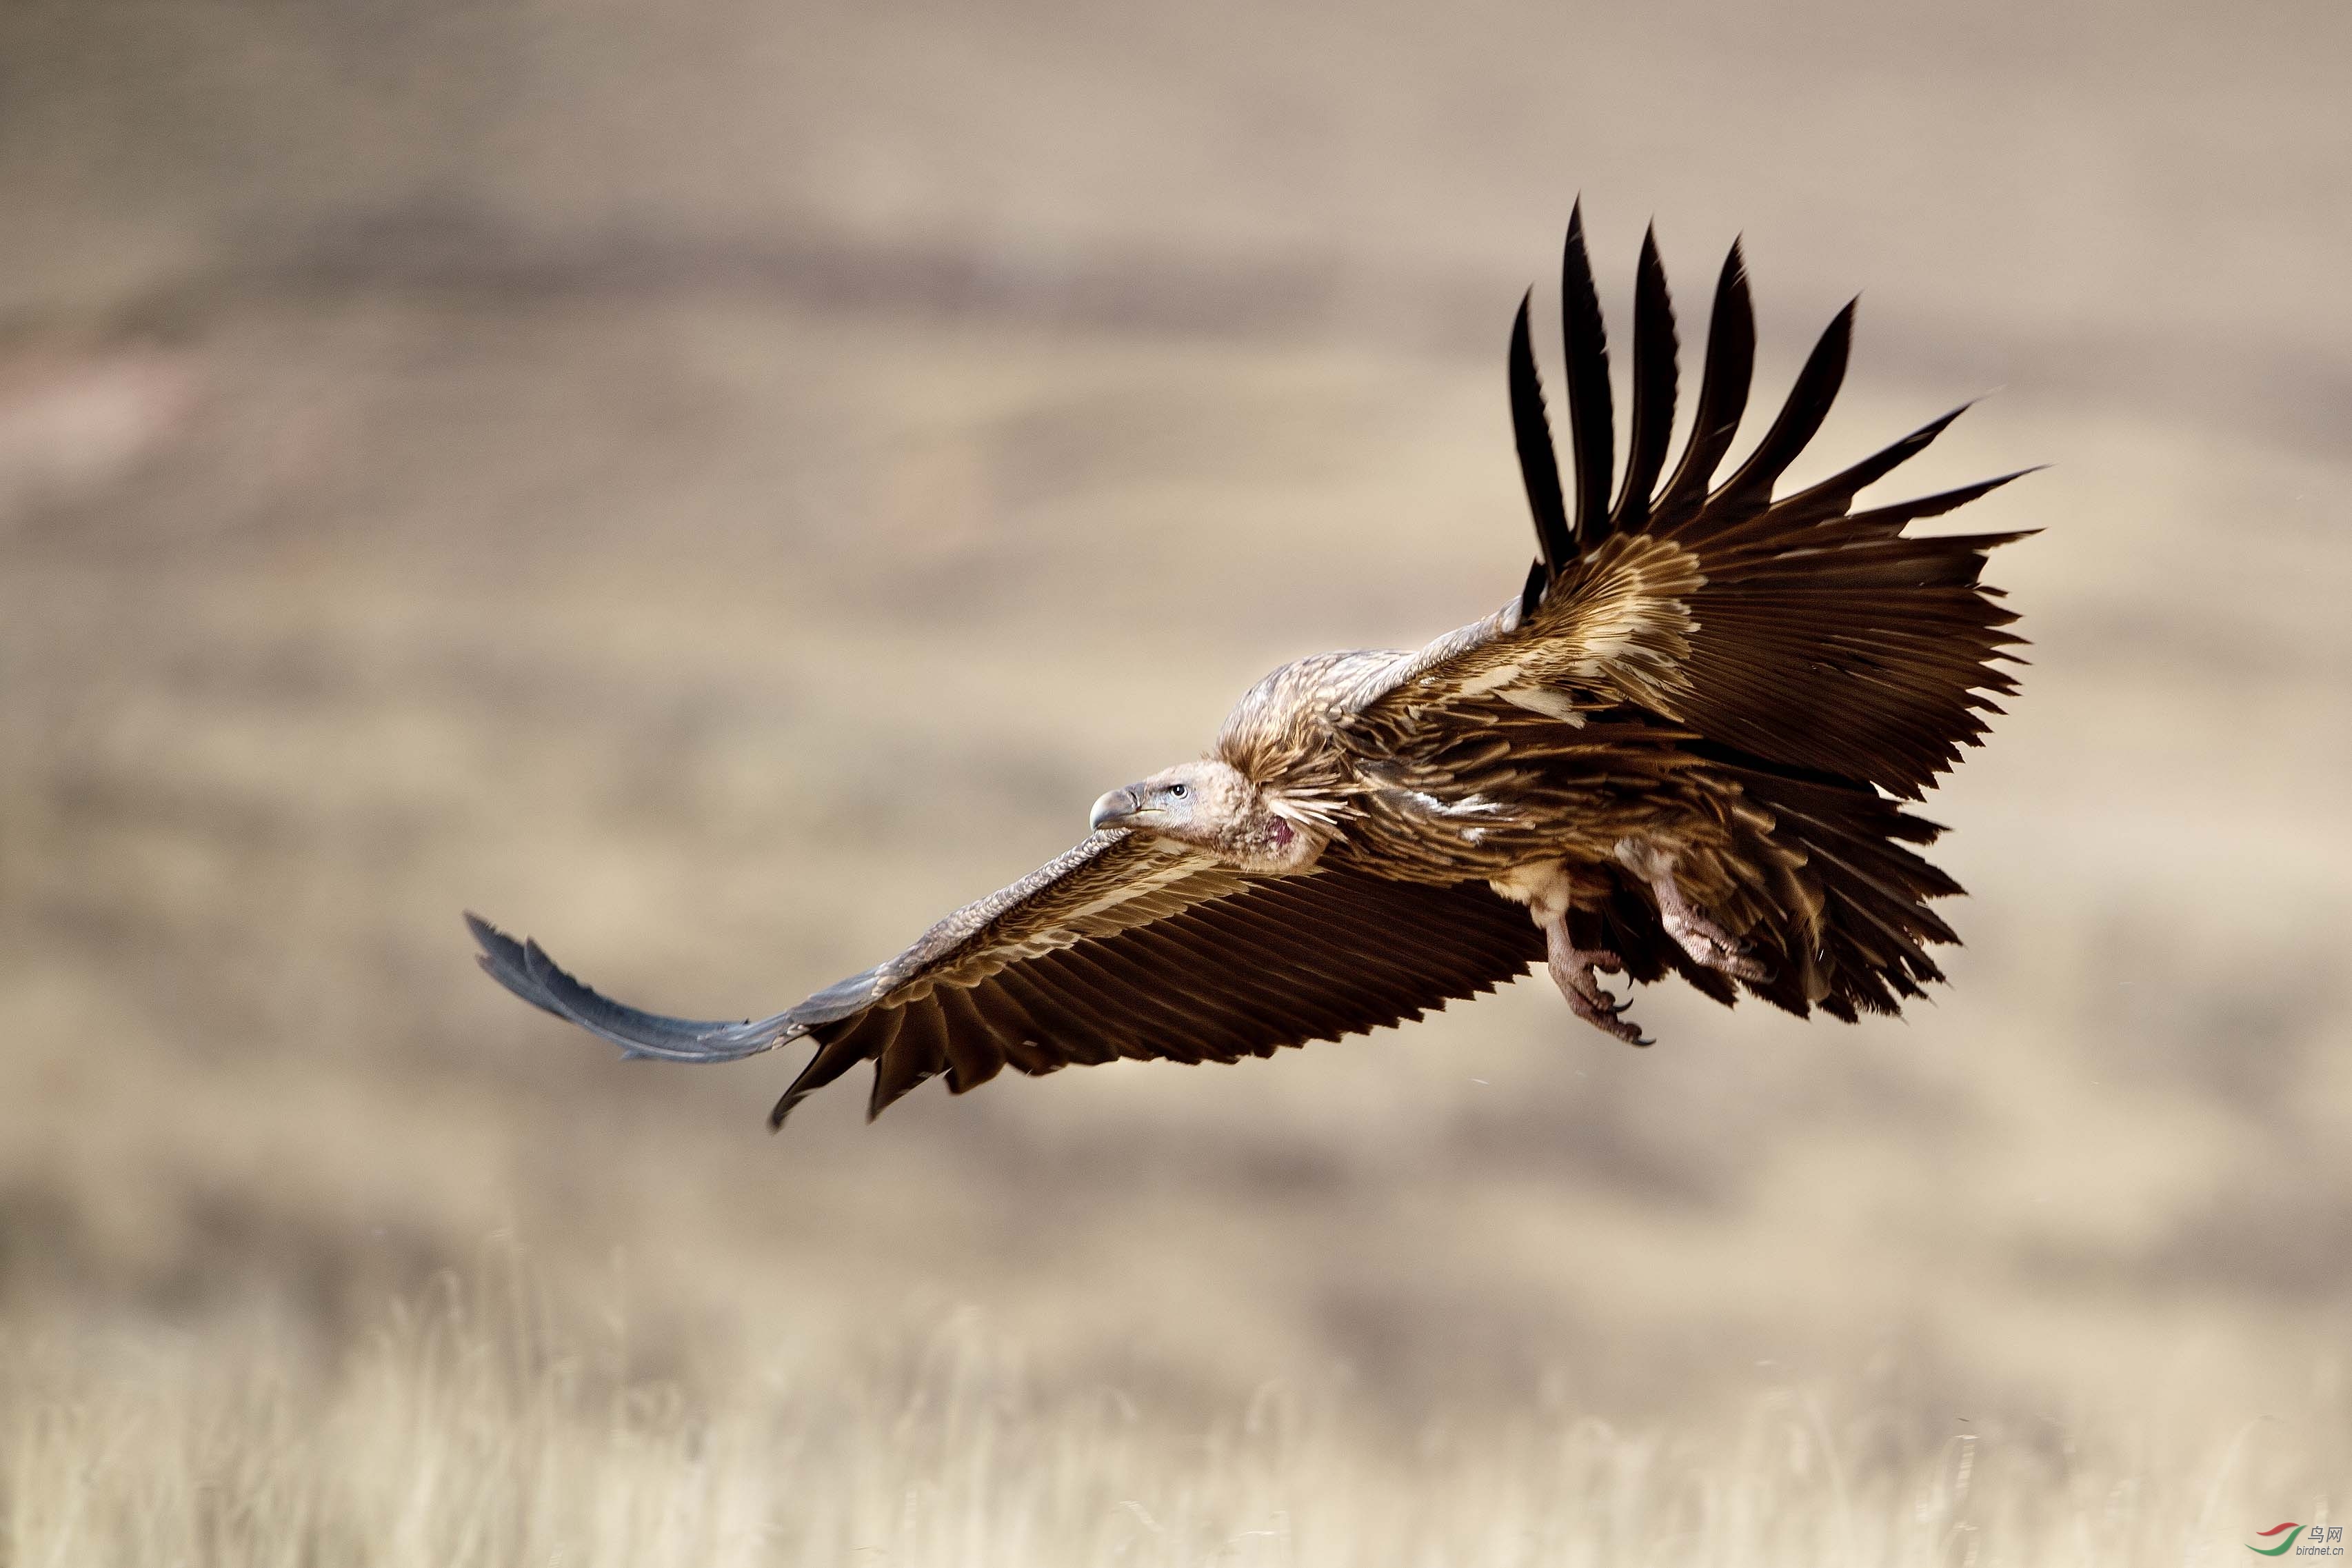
[[716, 487]]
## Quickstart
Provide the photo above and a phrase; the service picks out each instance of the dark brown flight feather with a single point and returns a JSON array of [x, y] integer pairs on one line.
[[1722, 390], [1655, 368], [1585, 345], [1683, 749], [1539, 464]]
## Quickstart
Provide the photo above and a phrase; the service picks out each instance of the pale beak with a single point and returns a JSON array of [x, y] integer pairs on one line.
[[1115, 809]]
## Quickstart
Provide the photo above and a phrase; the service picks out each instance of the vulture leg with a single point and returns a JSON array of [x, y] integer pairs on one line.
[[1576, 971], [1544, 886], [1573, 970], [1699, 935]]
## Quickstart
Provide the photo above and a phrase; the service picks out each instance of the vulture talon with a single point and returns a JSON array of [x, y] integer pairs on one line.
[[1695, 932], [1573, 970], [1609, 1017], [1710, 944]]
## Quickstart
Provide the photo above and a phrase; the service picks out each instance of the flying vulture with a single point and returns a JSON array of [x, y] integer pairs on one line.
[[1682, 747]]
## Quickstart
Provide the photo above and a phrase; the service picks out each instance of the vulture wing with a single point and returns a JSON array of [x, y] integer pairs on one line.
[[1119, 948], [1792, 629]]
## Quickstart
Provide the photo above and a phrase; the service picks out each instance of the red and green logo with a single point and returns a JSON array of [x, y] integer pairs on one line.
[[2316, 1540]]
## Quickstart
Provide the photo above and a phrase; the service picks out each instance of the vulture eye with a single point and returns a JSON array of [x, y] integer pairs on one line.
[[1177, 792]]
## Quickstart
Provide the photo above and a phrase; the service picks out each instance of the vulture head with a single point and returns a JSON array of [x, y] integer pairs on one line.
[[1210, 806]]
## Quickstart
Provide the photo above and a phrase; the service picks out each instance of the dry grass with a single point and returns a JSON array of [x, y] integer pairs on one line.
[[466, 1434]]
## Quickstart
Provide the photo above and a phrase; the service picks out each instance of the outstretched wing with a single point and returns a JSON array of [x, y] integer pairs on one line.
[[1119, 948], [1791, 628]]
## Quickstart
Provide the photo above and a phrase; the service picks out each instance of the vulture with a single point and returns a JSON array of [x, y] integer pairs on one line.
[[1683, 747]]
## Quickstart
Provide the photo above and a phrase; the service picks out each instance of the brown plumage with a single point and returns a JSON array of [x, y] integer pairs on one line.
[[1680, 749]]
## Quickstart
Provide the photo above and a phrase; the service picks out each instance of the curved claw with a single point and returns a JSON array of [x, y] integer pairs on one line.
[[1612, 1021], [1588, 1002], [1573, 970]]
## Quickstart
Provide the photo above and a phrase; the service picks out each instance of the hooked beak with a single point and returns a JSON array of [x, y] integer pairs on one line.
[[1115, 809]]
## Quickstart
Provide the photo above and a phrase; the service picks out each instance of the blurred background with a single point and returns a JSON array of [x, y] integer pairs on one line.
[[717, 486]]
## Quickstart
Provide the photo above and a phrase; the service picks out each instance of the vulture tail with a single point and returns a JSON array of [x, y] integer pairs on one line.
[[1859, 942]]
